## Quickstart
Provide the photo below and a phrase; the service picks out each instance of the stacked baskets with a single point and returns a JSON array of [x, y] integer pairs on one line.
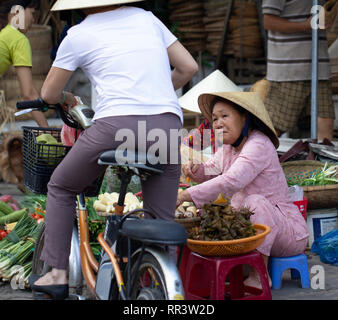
[[245, 40], [40, 38], [186, 18], [214, 19]]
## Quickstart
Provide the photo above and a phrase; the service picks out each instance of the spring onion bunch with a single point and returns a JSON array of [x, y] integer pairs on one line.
[[18, 250], [20, 275], [328, 175]]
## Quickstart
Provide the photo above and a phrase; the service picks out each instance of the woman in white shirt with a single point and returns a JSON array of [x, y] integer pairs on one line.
[[127, 53]]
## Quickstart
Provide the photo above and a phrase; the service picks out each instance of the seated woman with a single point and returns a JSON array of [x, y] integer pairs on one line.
[[246, 168]]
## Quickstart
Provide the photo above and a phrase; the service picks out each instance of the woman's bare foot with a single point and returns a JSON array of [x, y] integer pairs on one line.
[[56, 276], [254, 280]]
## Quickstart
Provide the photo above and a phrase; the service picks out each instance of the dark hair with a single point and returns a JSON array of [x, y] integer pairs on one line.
[[6, 7], [255, 122]]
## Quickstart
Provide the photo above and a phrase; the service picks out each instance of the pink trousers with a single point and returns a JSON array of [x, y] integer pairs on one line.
[[282, 239]]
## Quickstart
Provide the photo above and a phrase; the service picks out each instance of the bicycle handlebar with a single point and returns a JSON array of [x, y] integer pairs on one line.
[[41, 105], [33, 104]]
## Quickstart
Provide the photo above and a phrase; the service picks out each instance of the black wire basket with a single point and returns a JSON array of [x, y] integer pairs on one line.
[[41, 159]]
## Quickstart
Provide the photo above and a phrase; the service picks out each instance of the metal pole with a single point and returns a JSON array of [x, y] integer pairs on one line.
[[314, 77]]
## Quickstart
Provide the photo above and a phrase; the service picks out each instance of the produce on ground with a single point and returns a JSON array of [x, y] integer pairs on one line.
[[16, 252], [12, 203], [327, 175], [223, 222], [14, 216]]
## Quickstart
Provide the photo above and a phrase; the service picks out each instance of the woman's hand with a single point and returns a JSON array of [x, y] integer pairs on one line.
[[182, 197], [190, 169], [69, 102]]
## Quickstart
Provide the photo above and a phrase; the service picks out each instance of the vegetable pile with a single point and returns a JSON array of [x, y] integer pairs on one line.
[[223, 222], [327, 175], [105, 202], [19, 228], [16, 251]]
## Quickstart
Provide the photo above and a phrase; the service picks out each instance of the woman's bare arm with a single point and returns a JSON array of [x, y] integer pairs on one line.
[[29, 92], [276, 23], [56, 80], [184, 65]]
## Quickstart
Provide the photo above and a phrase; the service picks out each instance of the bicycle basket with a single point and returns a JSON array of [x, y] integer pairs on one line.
[[41, 159]]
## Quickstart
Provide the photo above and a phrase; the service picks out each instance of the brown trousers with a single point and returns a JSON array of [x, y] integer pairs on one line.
[[79, 169]]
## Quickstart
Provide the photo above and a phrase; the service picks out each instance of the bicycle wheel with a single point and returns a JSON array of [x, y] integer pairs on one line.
[[39, 266], [150, 282]]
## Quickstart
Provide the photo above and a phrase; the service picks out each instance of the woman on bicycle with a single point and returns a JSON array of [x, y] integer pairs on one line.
[[126, 52], [16, 18]]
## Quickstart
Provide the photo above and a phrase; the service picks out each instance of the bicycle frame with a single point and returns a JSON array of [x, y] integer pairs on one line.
[[89, 264]]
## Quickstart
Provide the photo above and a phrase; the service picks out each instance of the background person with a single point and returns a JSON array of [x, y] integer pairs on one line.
[[15, 48], [289, 61], [126, 52], [246, 168]]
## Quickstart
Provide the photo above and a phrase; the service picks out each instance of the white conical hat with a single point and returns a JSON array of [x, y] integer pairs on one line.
[[214, 82], [82, 4]]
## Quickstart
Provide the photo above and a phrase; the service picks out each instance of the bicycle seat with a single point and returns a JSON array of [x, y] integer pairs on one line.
[[132, 158], [154, 231]]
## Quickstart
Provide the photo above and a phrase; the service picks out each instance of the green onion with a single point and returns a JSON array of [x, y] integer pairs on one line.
[[327, 175]]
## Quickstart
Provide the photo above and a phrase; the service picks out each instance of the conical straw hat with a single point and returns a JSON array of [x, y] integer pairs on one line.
[[215, 82], [250, 101], [82, 4]]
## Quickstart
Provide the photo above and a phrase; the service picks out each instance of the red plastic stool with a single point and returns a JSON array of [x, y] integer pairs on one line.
[[205, 277]]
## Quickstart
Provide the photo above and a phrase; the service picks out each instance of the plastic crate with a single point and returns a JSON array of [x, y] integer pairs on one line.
[[40, 160]]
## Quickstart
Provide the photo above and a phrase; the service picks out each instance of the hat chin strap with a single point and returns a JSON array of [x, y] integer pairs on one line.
[[244, 133]]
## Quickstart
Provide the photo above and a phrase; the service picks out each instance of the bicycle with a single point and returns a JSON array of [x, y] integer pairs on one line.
[[134, 262]]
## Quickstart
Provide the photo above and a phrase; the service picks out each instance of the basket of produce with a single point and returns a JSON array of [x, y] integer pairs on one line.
[[224, 231], [319, 181], [104, 205], [42, 153]]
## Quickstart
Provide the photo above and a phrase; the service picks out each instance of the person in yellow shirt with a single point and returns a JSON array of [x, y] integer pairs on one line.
[[16, 18]]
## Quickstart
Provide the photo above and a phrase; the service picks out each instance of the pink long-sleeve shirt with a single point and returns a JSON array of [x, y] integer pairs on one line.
[[254, 170]]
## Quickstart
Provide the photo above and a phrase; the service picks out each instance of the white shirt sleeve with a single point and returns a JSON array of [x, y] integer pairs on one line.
[[66, 57], [167, 36]]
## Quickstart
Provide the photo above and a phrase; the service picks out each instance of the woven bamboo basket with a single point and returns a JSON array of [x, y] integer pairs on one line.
[[230, 247], [318, 197], [41, 64], [189, 223], [247, 52], [11, 86], [40, 37], [187, 7]]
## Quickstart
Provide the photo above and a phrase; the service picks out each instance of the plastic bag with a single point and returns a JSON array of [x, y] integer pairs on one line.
[[69, 135], [327, 247]]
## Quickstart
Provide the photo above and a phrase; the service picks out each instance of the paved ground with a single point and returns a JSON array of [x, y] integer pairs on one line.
[[324, 277]]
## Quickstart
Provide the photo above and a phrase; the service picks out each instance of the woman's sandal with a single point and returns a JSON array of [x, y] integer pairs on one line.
[[48, 292]]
